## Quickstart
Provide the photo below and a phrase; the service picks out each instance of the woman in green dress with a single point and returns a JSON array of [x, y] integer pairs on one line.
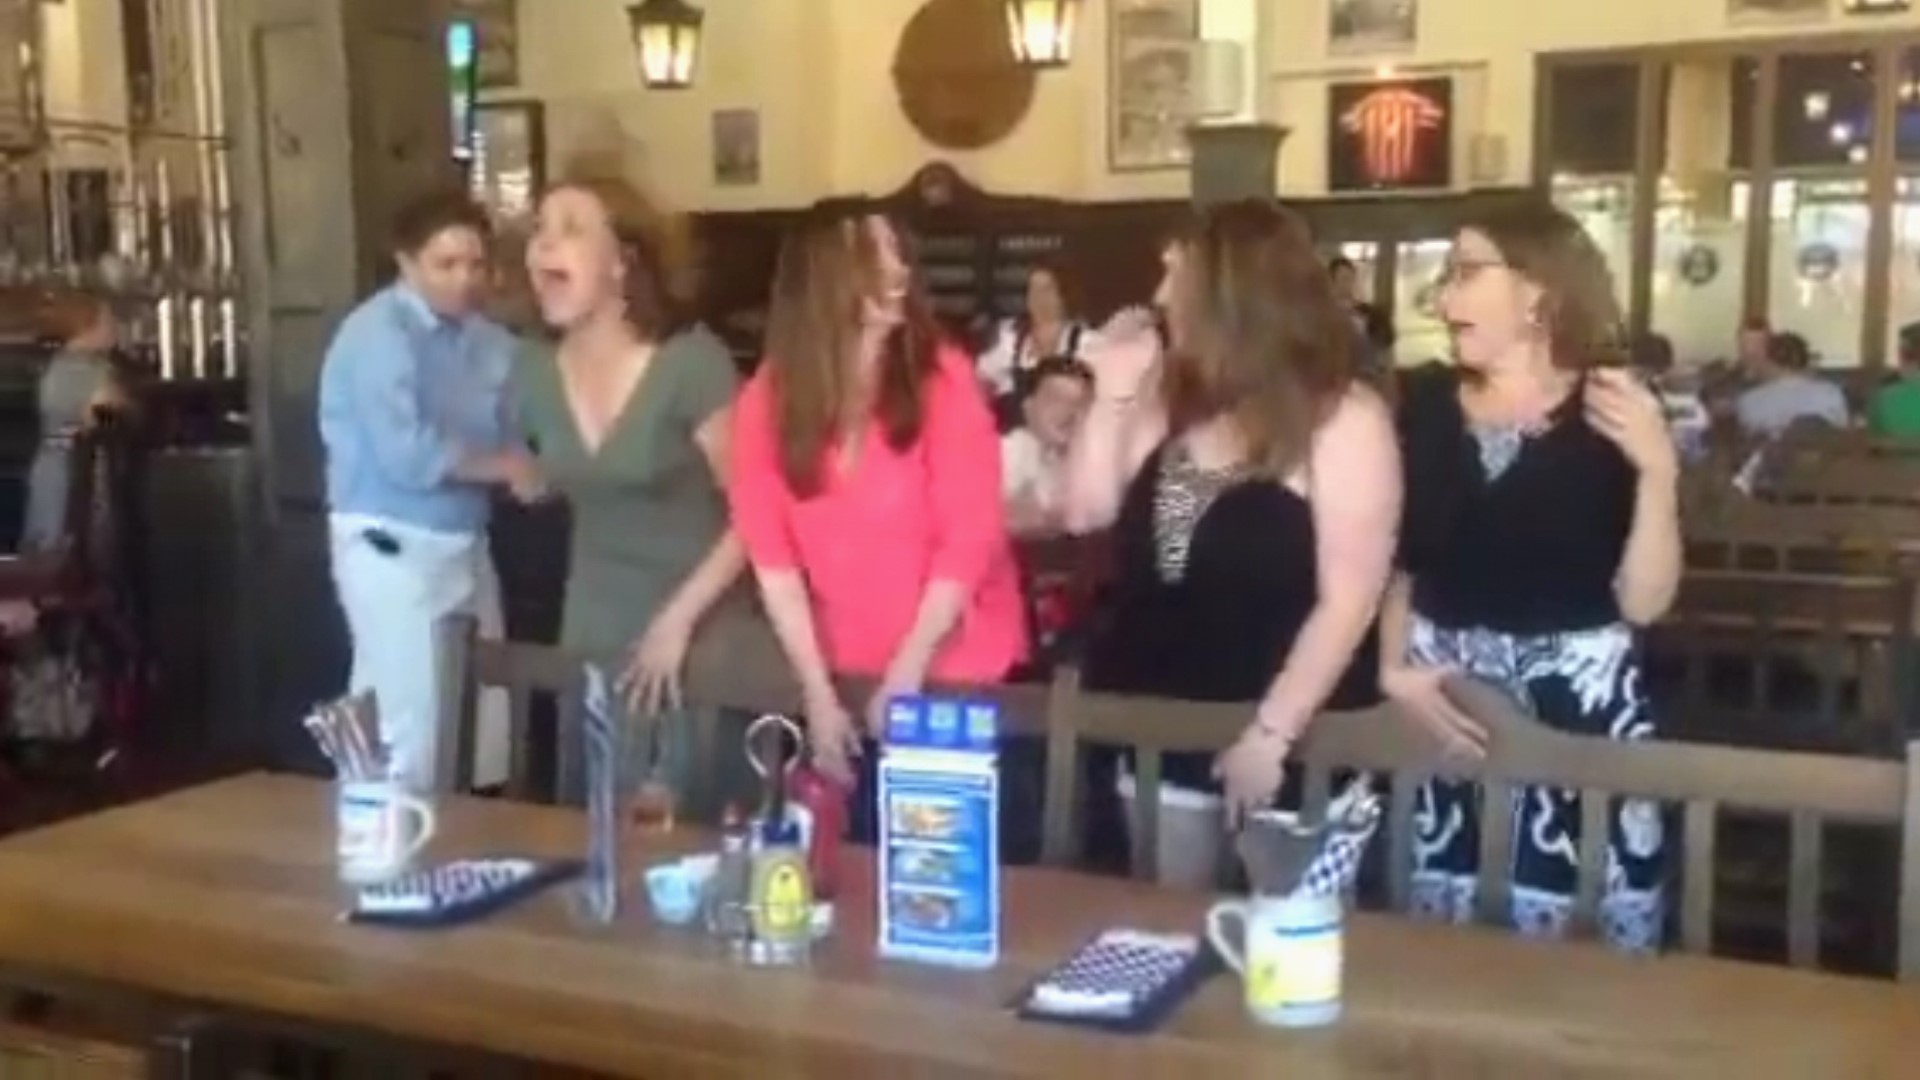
[[629, 413]]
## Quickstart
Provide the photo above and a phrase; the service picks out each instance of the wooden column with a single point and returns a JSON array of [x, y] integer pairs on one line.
[[337, 110], [1235, 161]]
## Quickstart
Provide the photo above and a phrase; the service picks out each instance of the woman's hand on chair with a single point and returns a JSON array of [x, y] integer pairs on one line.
[[831, 736], [651, 681], [1422, 693], [1251, 769]]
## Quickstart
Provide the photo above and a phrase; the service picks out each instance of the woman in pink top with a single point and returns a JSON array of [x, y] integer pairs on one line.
[[866, 484]]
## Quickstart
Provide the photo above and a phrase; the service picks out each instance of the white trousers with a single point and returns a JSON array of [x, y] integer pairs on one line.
[[392, 603]]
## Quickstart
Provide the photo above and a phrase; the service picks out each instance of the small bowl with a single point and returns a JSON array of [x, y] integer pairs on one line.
[[673, 893]]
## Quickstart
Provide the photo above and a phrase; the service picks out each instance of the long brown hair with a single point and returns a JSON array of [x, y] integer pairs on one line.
[[1258, 335], [1578, 309], [829, 266]]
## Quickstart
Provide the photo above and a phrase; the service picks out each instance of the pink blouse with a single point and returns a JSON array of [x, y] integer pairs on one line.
[[873, 538]]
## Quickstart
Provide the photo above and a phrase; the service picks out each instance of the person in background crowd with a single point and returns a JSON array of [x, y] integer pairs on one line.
[[77, 382], [1894, 412], [1541, 528], [1750, 344], [1033, 456], [1252, 484], [866, 488], [1784, 392], [1048, 327], [414, 417], [631, 413], [1652, 358], [1374, 324]]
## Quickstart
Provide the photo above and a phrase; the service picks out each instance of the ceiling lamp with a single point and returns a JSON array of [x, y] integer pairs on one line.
[[1042, 30], [666, 41]]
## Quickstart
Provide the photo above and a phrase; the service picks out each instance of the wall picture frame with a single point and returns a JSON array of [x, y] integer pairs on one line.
[[1372, 26], [736, 147], [1152, 46]]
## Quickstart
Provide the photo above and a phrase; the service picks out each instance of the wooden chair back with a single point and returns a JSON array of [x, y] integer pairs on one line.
[[1809, 789], [465, 664], [1749, 535], [1787, 660], [744, 672], [1891, 480]]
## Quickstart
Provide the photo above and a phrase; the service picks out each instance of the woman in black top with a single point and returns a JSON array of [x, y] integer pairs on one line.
[[1541, 527], [1254, 490]]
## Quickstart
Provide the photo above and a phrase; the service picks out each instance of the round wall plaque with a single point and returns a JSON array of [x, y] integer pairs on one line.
[[956, 77]]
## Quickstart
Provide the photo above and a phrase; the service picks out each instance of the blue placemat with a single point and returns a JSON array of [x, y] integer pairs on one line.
[[1121, 980], [457, 892]]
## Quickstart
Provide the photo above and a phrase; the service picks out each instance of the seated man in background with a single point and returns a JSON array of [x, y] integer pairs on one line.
[[1784, 392], [1032, 456], [1894, 412]]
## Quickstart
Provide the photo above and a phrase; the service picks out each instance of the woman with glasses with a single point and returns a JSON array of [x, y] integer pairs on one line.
[[1541, 529]]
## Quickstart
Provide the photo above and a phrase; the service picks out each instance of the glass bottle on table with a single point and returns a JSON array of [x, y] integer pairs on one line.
[[652, 802]]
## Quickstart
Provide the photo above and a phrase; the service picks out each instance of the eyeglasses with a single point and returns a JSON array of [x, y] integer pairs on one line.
[[1459, 270]]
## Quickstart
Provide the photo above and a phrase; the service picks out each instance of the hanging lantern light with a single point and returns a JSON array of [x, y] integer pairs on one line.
[[666, 41], [1042, 30]]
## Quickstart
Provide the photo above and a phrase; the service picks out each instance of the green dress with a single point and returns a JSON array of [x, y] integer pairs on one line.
[[645, 506]]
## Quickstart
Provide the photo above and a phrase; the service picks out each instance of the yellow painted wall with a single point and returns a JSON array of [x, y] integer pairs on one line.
[[818, 72]]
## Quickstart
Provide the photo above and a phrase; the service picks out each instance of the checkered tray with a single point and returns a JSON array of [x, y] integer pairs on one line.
[[1122, 980], [457, 892]]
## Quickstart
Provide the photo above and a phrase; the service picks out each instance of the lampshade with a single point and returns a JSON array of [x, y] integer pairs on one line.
[[1042, 30], [666, 41]]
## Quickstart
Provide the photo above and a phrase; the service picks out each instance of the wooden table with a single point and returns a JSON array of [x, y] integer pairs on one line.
[[224, 894]]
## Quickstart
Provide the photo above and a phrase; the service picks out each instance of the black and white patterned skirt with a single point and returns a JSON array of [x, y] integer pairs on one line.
[[1585, 682]]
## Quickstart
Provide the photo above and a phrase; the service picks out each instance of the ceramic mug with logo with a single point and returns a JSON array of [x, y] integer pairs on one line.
[[381, 828], [1289, 955]]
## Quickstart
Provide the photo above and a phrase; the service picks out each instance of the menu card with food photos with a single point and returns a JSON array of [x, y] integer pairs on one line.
[[939, 833]]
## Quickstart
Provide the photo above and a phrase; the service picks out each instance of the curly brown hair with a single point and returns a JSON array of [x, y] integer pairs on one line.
[[1257, 333], [654, 245], [1578, 308]]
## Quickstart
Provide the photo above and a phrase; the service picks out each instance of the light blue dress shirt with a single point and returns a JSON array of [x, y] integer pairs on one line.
[[404, 395]]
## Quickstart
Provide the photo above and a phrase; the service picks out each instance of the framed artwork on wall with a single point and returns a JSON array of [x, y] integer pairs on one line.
[[736, 147], [508, 167], [1372, 26], [1765, 10], [1151, 50], [1390, 135]]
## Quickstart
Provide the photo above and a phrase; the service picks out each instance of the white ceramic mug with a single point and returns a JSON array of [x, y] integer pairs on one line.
[[381, 829], [1289, 955]]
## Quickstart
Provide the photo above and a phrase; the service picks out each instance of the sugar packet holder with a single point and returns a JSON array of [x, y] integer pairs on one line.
[[1145, 1009], [456, 893]]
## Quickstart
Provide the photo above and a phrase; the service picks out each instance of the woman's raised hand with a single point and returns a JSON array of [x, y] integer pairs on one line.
[[1124, 354]]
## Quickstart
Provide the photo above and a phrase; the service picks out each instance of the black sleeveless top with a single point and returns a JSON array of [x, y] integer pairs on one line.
[[1221, 629], [1531, 550]]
